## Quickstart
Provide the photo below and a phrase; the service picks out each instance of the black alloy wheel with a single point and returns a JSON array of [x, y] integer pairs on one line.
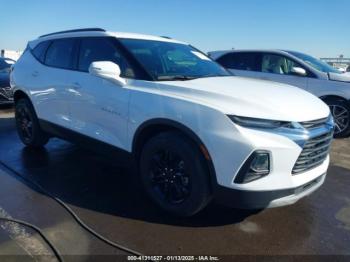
[[340, 110], [27, 123], [169, 177], [174, 174]]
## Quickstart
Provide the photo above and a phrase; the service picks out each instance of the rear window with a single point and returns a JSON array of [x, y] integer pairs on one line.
[[40, 50], [240, 61], [60, 54]]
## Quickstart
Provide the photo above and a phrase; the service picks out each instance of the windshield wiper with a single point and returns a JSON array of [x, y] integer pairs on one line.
[[176, 77]]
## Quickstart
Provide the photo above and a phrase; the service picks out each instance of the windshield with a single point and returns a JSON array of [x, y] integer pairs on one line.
[[166, 61], [316, 63]]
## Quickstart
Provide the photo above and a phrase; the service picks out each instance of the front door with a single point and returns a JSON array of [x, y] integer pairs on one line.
[[278, 68], [99, 107]]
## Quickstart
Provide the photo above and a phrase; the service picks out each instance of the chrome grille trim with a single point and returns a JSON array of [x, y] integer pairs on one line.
[[314, 153], [314, 123]]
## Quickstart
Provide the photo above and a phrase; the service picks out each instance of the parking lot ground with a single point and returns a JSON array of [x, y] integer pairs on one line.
[[104, 195]]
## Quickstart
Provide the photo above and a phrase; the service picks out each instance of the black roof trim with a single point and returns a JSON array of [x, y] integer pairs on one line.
[[75, 30]]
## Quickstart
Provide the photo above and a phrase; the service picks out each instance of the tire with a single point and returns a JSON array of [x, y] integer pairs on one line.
[[340, 110], [174, 174], [27, 124]]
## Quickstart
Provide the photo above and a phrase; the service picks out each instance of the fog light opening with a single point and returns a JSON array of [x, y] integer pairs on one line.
[[256, 167], [261, 163]]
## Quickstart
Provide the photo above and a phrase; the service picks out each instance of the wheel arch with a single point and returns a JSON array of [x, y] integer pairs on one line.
[[20, 94], [155, 126], [337, 97]]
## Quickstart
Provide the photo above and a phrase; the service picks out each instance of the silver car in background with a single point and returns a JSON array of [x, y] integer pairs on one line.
[[298, 69]]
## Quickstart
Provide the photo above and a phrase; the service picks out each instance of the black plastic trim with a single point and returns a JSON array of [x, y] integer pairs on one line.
[[87, 142], [240, 177], [176, 125], [258, 199]]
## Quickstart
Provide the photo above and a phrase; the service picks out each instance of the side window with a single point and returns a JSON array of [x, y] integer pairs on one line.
[[277, 64], [60, 54], [240, 61], [40, 50], [102, 49]]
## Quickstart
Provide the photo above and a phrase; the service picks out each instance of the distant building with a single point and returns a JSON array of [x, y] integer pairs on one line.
[[10, 54], [338, 62]]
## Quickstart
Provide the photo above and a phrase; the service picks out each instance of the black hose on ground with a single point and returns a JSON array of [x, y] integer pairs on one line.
[[72, 213], [35, 228]]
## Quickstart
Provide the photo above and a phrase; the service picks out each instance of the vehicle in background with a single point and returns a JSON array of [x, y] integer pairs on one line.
[[6, 94], [342, 69], [347, 72], [298, 69], [193, 131]]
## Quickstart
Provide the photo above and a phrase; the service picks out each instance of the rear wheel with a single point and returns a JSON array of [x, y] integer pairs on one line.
[[27, 124], [174, 174], [340, 110]]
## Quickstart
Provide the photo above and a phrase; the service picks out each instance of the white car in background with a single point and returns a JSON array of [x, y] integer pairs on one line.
[[347, 72], [298, 69], [193, 131]]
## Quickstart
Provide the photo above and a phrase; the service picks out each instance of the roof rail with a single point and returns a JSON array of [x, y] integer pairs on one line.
[[75, 30], [164, 36]]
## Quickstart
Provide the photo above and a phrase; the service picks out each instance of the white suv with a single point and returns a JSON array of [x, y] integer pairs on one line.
[[298, 69], [195, 132]]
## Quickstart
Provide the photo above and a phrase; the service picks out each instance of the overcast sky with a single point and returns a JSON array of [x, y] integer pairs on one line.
[[317, 27]]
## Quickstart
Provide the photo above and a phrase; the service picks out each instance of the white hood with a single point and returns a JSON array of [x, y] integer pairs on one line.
[[251, 98]]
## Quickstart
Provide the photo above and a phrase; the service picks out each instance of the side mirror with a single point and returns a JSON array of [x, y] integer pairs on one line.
[[299, 71], [107, 70]]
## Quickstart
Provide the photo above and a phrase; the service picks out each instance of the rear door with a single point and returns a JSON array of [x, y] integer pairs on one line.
[[53, 80], [241, 63]]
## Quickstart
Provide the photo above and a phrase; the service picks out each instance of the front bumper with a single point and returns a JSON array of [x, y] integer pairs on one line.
[[231, 148], [266, 199]]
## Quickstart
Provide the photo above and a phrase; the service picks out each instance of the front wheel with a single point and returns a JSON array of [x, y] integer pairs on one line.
[[174, 174], [340, 110], [27, 124]]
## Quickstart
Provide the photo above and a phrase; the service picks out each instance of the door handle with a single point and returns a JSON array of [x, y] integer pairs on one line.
[[76, 85], [35, 73]]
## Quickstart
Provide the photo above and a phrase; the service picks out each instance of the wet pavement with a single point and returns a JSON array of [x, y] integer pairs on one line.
[[105, 196]]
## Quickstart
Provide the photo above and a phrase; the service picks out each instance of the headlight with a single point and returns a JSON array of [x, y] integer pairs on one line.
[[259, 123]]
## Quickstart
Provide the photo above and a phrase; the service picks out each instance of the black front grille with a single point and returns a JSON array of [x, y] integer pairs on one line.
[[314, 153], [314, 123]]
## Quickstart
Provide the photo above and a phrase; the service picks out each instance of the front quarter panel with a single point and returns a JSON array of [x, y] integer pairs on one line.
[[322, 87], [213, 128]]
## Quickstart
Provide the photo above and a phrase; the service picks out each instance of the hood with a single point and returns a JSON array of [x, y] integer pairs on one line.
[[250, 98], [339, 77]]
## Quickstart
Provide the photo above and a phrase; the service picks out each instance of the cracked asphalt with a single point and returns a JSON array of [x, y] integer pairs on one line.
[[104, 195]]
